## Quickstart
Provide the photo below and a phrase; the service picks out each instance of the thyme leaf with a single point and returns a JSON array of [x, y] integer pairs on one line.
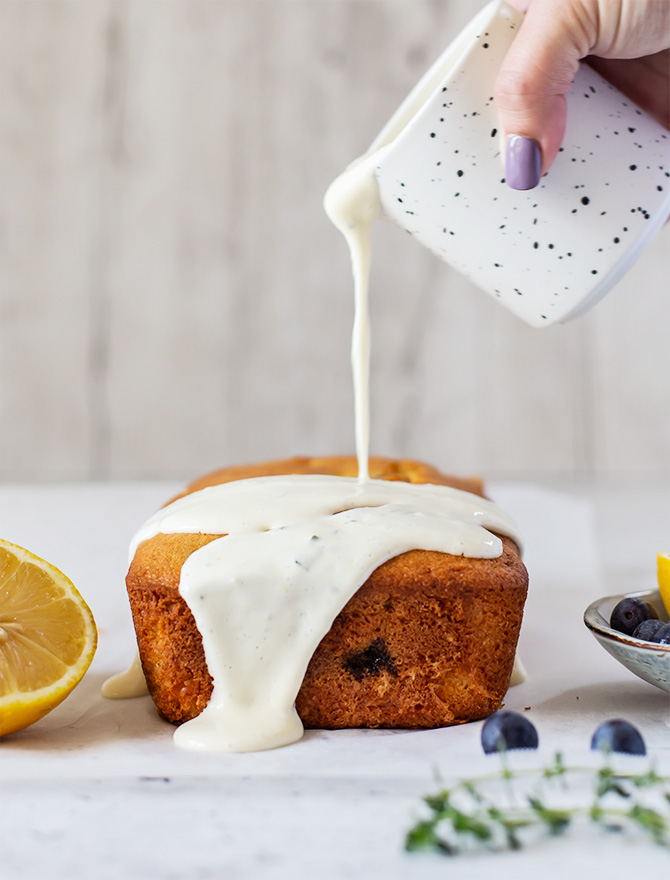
[[510, 808]]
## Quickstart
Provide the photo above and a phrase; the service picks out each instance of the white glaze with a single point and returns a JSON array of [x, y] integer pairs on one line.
[[352, 203], [297, 547]]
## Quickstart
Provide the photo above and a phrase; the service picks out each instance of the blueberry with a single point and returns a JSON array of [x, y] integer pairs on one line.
[[618, 736], [647, 630], [662, 634], [629, 613], [505, 731]]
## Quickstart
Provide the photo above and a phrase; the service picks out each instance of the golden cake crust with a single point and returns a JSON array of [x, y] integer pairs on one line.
[[427, 641]]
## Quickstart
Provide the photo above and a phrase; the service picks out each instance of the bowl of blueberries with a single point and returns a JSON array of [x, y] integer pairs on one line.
[[634, 629]]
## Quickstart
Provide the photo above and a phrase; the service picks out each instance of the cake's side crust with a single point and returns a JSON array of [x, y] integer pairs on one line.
[[168, 640], [427, 641]]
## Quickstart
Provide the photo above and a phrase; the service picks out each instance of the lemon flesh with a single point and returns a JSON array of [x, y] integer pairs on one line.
[[47, 637], [663, 570]]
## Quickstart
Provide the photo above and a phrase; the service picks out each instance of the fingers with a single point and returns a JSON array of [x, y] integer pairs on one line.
[[644, 80], [533, 81]]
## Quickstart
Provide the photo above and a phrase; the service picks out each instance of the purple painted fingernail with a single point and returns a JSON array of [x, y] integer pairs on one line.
[[523, 162]]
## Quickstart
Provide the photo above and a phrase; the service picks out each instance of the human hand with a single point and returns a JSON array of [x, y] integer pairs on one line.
[[626, 41]]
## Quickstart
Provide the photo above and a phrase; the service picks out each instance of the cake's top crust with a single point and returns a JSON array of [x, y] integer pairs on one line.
[[405, 470]]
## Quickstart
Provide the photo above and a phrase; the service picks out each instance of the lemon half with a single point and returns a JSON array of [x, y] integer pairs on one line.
[[663, 570], [47, 637]]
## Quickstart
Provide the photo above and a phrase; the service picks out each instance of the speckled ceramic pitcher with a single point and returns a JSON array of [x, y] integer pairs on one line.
[[548, 253]]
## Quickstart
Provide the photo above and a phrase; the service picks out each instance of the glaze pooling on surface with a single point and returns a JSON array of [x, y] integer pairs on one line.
[[547, 253], [127, 684], [295, 550]]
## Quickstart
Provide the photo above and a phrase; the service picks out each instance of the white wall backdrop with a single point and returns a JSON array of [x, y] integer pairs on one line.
[[173, 298]]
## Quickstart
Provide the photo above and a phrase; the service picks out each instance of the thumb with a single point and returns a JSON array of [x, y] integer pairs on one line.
[[533, 81]]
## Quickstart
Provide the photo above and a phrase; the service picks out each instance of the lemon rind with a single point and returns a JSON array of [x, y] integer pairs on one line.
[[20, 709]]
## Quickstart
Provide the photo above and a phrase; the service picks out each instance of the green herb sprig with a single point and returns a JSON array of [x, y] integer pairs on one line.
[[510, 808]]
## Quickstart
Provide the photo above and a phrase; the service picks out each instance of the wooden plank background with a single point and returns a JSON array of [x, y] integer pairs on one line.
[[173, 298]]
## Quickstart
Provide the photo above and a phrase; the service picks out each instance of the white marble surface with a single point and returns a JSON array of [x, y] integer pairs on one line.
[[98, 788]]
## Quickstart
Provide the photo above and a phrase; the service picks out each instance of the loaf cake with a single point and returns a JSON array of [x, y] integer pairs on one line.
[[427, 641]]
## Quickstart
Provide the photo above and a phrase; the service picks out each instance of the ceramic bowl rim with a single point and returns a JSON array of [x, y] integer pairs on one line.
[[598, 624]]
